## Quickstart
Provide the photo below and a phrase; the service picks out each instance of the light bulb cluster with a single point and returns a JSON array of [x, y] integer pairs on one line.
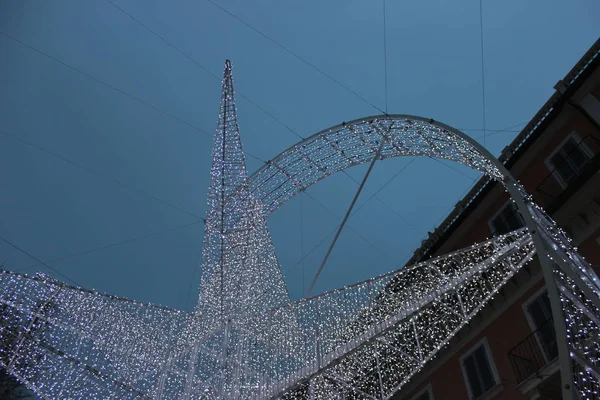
[[582, 316], [406, 319], [67, 342], [582, 319]]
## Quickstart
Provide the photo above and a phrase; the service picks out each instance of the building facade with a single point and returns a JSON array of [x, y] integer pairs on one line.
[[509, 351]]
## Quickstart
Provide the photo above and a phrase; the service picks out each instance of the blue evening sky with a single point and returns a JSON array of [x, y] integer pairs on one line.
[[104, 182]]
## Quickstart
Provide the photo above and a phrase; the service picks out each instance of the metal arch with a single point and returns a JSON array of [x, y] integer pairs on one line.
[[371, 118], [273, 198]]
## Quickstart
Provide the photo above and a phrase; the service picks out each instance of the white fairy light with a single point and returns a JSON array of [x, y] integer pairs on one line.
[[246, 339]]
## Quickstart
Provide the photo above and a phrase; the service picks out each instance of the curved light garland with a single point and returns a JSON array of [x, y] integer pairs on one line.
[[357, 142]]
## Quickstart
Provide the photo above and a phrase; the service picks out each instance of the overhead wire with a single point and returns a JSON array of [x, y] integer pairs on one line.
[[349, 226], [206, 69], [407, 222], [483, 108], [110, 245], [89, 170], [287, 50], [384, 186], [174, 47], [305, 255], [509, 129], [344, 220], [487, 130], [453, 169], [453, 205], [96, 173], [115, 181], [87, 75], [385, 69], [39, 261], [162, 38], [301, 260], [121, 91]]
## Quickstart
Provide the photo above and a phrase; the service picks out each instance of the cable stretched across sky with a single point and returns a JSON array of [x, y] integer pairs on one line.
[[302, 59], [483, 109], [96, 173], [254, 103], [121, 91], [207, 70], [8, 242], [110, 245]]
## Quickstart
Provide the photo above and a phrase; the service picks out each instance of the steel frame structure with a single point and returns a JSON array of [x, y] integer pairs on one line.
[[247, 339]]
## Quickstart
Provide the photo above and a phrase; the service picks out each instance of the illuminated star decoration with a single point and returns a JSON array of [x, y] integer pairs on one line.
[[246, 339]]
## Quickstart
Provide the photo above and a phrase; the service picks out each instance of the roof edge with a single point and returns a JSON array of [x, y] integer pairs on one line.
[[565, 89]]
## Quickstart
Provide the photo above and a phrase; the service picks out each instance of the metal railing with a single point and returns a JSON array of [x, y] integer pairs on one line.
[[556, 182], [534, 352]]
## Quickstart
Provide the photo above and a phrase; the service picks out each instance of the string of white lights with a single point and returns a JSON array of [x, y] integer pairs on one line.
[[246, 339]]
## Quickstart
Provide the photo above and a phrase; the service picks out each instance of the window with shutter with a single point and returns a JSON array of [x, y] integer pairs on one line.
[[568, 161], [425, 394], [507, 220], [478, 370]]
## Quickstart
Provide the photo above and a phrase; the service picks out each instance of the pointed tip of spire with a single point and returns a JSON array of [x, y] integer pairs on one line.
[[227, 71]]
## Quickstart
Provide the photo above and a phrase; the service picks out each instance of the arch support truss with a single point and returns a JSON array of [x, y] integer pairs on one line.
[[357, 142]]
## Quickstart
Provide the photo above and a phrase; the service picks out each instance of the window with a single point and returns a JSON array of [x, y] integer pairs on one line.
[[479, 370], [507, 220], [539, 315], [568, 161], [425, 394]]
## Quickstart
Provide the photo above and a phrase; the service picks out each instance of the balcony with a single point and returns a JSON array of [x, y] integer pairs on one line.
[[534, 352], [573, 166], [535, 363]]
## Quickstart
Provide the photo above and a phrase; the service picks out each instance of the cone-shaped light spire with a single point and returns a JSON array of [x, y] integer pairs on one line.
[[228, 170], [239, 266]]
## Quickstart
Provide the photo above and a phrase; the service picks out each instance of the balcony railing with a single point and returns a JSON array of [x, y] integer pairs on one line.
[[535, 352], [574, 165]]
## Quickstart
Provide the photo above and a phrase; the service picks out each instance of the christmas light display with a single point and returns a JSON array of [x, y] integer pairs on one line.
[[353, 143], [246, 339]]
